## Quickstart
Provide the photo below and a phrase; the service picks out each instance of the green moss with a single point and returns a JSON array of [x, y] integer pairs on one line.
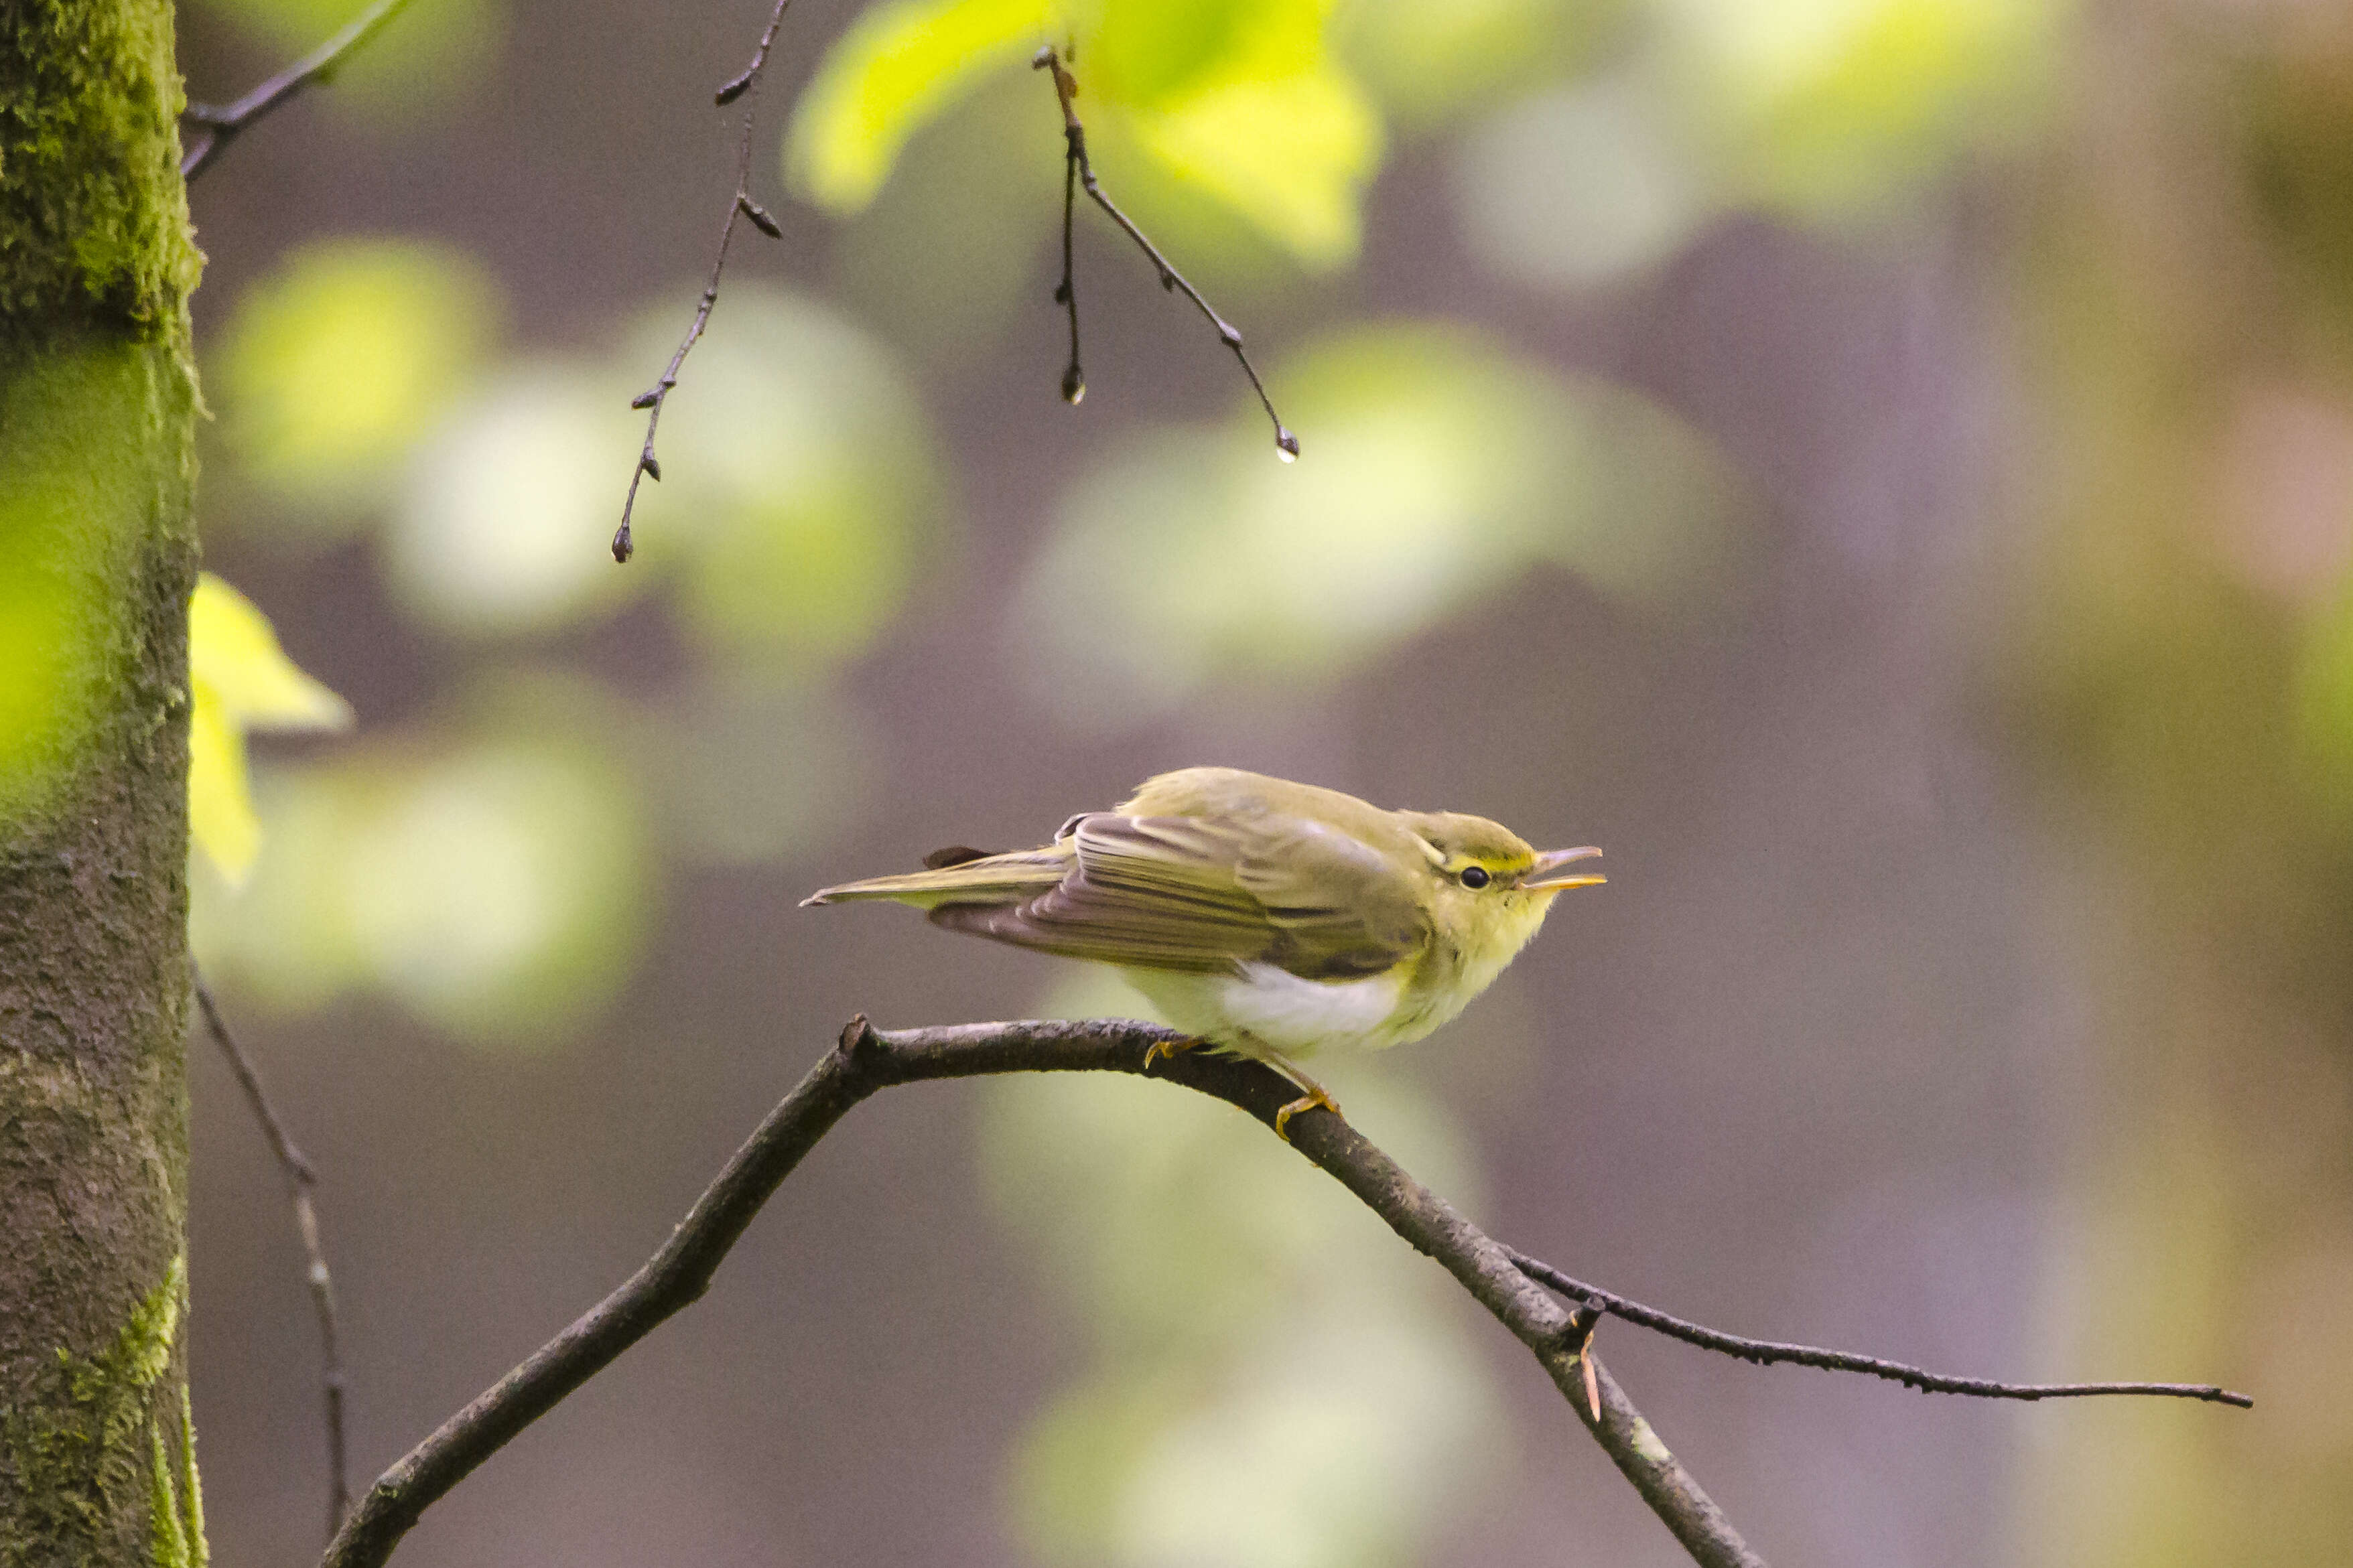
[[95, 1436], [191, 1492], [167, 1537], [93, 214]]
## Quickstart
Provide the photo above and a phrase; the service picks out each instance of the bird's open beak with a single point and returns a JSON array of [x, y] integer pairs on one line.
[[1556, 869]]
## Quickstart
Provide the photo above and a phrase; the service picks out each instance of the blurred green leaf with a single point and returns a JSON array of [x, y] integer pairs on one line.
[[798, 480], [502, 523], [1291, 150], [239, 679], [1585, 186], [1442, 470], [945, 305], [899, 65], [1275, 1384], [496, 887], [1825, 106], [1429, 60], [496, 890], [1242, 103], [335, 366]]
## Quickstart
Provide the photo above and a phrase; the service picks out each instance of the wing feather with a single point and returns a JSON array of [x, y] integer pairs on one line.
[[1204, 895]]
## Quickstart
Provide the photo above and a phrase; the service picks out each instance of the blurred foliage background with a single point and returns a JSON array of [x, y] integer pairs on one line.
[[1882, 467]]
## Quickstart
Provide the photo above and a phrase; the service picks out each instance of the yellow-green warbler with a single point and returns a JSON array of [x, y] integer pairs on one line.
[[1264, 918]]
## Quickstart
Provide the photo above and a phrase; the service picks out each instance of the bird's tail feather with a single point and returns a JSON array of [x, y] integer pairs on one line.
[[992, 879]]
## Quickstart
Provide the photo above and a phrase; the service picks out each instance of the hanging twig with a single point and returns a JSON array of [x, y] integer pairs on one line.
[[300, 1179], [866, 1061], [742, 205], [1077, 169], [1766, 1352], [224, 125]]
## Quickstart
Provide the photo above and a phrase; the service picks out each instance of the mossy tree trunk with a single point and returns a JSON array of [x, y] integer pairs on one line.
[[97, 557]]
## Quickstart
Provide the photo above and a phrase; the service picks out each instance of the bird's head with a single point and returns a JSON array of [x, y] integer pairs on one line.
[[1486, 885]]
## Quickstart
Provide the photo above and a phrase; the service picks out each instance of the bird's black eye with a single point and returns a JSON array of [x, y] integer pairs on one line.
[[1475, 876]]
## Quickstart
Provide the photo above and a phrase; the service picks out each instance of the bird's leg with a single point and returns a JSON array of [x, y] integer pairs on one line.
[[1316, 1098], [1158, 1048]]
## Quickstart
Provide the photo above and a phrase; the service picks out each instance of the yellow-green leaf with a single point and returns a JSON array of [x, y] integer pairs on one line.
[[900, 66], [239, 679], [1240, 100], [1307, 199], [339, 362]]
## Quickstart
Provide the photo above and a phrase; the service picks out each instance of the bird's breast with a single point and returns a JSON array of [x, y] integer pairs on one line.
[[1274, 1007]]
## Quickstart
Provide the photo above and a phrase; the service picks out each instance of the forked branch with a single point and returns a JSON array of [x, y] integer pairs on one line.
[[1077, 170], [866, 1061]]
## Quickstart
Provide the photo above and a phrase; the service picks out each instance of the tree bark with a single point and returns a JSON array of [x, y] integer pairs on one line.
[[97, 558]]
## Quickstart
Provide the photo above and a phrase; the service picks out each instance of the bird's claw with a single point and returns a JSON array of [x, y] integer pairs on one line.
[[1159, 1049], [1316, 1099]]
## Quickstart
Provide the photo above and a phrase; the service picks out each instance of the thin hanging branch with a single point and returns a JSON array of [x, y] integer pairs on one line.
[[740, 205], [866, 1061], [1766, 1352], [224, 125], [300, 1177], [1077, 169]]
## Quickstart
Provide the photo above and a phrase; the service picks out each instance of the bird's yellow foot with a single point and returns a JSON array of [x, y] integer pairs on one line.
[[1158, 1048], [1313, 1099]]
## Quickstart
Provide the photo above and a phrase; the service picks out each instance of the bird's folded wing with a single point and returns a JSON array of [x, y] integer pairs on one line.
[[1205, 894]]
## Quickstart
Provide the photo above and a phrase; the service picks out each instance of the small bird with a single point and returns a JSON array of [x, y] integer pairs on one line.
[[1265, 918]]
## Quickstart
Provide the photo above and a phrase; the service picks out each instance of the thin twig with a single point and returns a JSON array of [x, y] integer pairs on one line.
[[1076, 164], [300, 1177], [1765, 1352], [740, 205], [866, 1061], [224, 125], [1066, 293]]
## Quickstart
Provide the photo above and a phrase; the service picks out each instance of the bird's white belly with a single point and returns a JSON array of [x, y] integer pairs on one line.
[[1274, 1008]]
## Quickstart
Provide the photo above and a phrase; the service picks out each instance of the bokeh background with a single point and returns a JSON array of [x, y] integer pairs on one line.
[[1884, 468]]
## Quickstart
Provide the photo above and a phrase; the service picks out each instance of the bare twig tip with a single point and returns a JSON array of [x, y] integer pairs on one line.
[[650, 400], [1593, 1300], [1287, 445], [622, 547], [1074, 387], [1042, 59]]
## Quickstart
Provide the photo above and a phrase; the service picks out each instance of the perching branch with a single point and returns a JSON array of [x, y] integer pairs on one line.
[[222, 126], [300, 1179], [1765, 1352], [740, 205], [1077, 169], [866, 1061]]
